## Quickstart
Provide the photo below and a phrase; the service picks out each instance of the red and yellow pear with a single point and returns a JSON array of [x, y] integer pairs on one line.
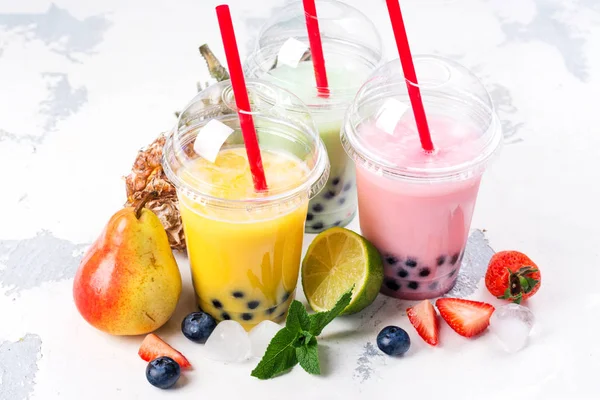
[[128, 282]]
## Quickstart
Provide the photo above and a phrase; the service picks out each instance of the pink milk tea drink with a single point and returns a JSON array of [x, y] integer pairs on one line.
[[414, 206]]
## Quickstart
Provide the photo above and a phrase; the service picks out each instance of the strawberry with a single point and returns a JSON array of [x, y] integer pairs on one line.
[[468, 318], [512, 276], [153, 347], [424, 318]]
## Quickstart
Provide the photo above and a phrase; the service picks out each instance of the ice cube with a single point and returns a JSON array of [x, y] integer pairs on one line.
[[229, 342], [511, 325], [260, 337]]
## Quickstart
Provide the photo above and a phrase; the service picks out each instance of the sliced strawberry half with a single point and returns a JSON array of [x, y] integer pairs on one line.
[[424, 318], [153, 347], [468, 318]]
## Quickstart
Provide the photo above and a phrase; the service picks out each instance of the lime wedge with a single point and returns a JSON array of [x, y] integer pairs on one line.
[[337, 259]]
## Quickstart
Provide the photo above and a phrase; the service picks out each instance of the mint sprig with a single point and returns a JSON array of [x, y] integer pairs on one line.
[[297, 341]]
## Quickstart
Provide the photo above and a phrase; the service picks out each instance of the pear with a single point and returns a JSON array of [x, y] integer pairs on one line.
[[128, 282]]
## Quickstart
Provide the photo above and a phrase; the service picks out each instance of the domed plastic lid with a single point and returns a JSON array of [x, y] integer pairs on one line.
[[381, 135], [351, 48], [294, 157]]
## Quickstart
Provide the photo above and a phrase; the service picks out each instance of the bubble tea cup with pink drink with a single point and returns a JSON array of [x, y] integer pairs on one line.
[[415, 205]]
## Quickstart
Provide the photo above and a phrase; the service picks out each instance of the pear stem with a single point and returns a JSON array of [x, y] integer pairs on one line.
[[138, 208]]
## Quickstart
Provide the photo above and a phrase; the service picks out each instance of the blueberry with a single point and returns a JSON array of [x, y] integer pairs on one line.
[[246, 316], [391, 260], [253, 304], [317, 226], [454, 258], [440, 260], [330, 194], [271, 310], [433, 285], [225, 316], [163, 372], [411, 262], [217, 304], [393, 341], [238, 294], [347, 186], [392, 285], [318, 207], [342, 200], [413, 285], [335, 181], [424, 272], [309, 217], [198, 326], [402, 273], [286, 296]]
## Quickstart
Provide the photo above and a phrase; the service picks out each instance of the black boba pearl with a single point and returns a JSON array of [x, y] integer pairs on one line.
[[217, 304], [391, 259], [402, 273], [271, 310], [237, 294], [246, 316], [317, 225], [335, 181], [413, 285], [318, 207], [347, 186], [433, 285], [330, 194], [440, 260], [281, 315], [309, 217], [392, 285], [452, 273], [342, 200], [286, 296], [225, 316], [454, 259], [253, 304], [410, 262], [424, 272]]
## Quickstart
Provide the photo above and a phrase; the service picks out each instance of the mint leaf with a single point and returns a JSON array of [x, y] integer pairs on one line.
[[279, 357], [320, 320], [308, 357], [297, 319]]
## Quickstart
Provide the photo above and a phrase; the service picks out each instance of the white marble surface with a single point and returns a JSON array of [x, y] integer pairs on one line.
[[84, 84]]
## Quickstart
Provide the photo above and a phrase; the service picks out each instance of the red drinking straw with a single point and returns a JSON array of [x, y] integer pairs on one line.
[[241, 97], [316, 48], [409, 73]]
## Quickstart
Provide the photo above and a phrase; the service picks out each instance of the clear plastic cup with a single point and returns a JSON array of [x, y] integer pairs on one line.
[[352, 50], [244, 247], [416, 207]]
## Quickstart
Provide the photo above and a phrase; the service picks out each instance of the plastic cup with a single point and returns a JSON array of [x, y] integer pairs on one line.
[[244, 246], [414, 206], [352, 50]]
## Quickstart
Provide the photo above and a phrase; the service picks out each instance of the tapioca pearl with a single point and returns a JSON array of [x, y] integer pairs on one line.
[[347, 186], [410, 262], [433, 285], [328, 195], [424, 272], [392, 284], [318, 207], [440, 260], [451, 274], [247, 316], [402, 273], [390, 259], [413, 285], [454, 258], [225, 316], [285, 296], [342, 200], [317, 226], [335, 181], [253, 304], [309, 217], [238, 294], [270, 310], [281, 315], [217, 304]]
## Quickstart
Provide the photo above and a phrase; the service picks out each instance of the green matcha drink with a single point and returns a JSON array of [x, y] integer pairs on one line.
[[352, 50]]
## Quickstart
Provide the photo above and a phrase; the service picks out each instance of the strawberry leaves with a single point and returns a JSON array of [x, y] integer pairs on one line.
[[520, 283]]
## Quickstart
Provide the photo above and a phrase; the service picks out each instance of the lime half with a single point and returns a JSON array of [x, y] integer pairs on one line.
[[337, 259]]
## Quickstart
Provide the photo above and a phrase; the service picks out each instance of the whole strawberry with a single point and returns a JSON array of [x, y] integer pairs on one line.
[[512, 275]]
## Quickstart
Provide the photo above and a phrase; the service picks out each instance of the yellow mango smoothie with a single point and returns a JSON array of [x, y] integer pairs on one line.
[[244, 264]]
